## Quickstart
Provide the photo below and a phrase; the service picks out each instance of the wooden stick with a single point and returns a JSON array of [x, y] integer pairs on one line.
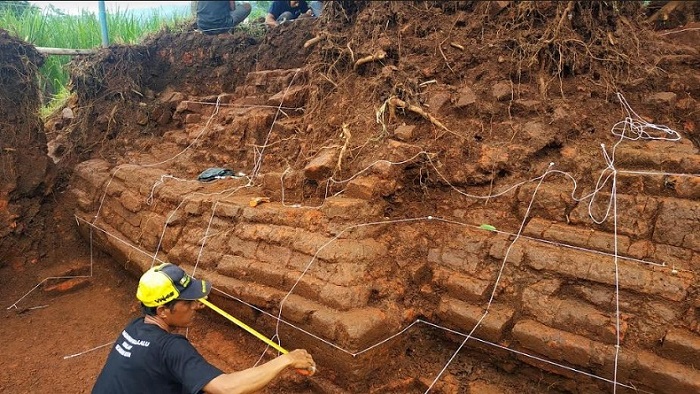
[[65, 51]]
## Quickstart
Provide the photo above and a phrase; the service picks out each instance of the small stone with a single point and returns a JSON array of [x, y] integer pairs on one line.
[[67, 113]]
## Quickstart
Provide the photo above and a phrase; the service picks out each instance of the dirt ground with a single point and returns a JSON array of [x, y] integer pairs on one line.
[[482, 69]]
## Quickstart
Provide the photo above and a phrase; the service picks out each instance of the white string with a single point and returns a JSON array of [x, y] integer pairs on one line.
[[87, 351]]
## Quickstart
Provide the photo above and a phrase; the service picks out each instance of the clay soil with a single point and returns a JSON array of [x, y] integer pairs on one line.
[[64, 301]]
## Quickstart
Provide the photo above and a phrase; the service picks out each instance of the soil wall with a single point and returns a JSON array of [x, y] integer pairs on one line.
[[25, 168]]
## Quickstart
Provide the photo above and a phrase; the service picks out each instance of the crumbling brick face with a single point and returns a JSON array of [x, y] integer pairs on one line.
[[555, 295]]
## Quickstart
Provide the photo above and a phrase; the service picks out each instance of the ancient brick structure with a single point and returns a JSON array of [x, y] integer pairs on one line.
[[345, 273]]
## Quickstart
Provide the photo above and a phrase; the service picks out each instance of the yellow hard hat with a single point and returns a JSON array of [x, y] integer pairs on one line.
[[166, 282]]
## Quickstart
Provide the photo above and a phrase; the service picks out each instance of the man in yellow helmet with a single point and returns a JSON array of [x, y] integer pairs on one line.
[[148, 358]]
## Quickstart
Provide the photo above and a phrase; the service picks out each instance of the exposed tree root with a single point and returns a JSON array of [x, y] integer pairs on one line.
[[314, 41], [379, 55], [395, 102]]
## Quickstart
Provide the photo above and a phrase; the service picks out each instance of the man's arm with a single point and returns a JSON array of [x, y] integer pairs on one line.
[[270, 20], [254, 379]]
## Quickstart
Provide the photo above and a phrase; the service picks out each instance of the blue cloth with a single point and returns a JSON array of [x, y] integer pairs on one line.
[[316, 7], [147, 359], [213, 173], [277, 8]]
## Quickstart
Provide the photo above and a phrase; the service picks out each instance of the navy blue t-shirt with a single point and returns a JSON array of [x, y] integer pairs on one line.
[[214, 17], [147, 359], [279, 7]]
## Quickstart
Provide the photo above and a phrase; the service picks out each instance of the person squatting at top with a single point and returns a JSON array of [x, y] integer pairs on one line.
[[216, 17], [284, 11], [148, 358]]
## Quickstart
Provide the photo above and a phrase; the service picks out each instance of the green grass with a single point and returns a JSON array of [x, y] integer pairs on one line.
[[56, 30]]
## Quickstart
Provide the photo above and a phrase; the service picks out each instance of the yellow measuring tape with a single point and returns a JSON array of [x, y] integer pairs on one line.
[[252, 331], [244, 326]]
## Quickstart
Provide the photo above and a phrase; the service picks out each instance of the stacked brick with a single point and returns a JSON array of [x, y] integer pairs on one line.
[[555, 299]]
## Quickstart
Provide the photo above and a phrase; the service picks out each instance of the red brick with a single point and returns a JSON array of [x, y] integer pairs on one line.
[[66, 286], [183, 253], [278, 214], [571, 315], [639, 183], [268, 274], [191, 106], [349, 208], [686, 187], [678, 223], [241, 247], [322, 166], [112, 208], [363, 327], [353, 251], [460, 286], [261, 296], [270, 253], [560, 345], [173, 193], [131, 202], [465, 316], [636, 214], [293, 97], [660, 374], [92, 174], [152, 226], [460, 260], [499, 246], [682, 346], [228, 209], [642, 367], [550, 203], [599, 268], [370, 187], [674, 257], [170, 238], [196, 205], [310, 287], [305, 242], [343, 297], [299, 309], [299, 261]]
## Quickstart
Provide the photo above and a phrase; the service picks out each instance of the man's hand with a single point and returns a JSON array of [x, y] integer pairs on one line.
[[270, 20], [302, 360]]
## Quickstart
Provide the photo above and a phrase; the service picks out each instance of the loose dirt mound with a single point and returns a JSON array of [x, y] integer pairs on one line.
[[476, 85], [416, 108]]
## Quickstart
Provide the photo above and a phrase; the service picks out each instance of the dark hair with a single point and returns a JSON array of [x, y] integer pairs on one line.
[[153, 310]]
